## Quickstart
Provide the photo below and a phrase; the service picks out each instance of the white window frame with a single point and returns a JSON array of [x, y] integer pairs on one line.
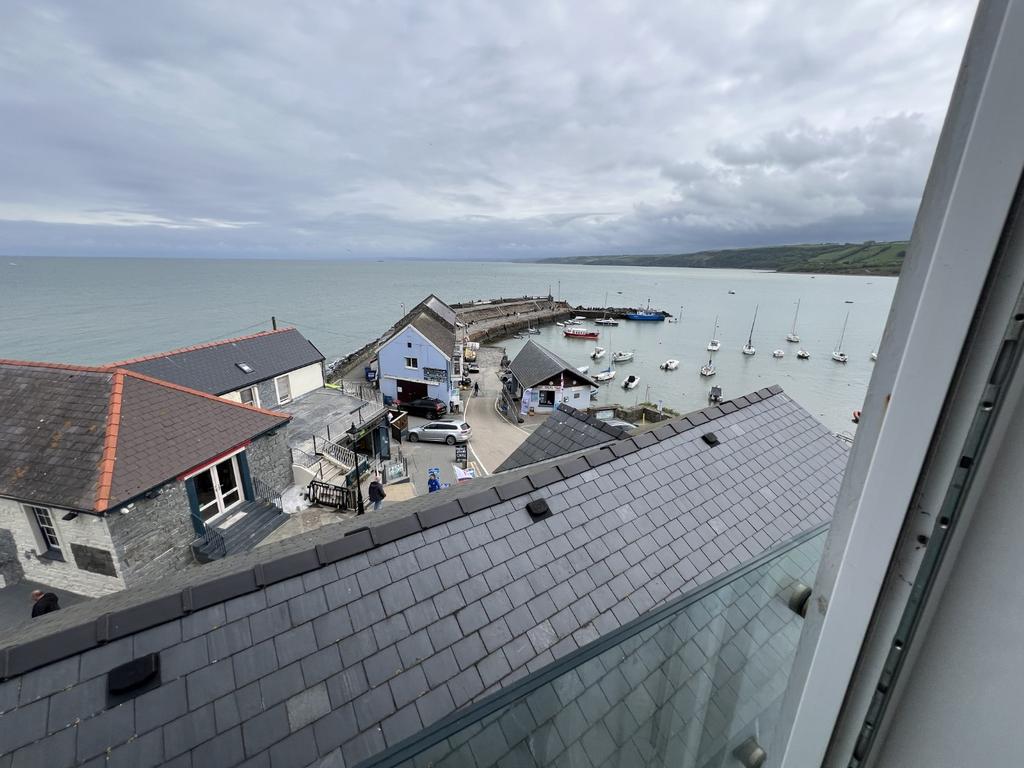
[[415, 363], [218, 499], [43, 544], [277, 388], [255, 395]]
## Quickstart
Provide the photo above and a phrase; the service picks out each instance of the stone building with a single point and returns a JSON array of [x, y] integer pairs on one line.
[[110, 478]]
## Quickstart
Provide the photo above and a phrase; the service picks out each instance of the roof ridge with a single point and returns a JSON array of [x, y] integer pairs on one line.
[[111, 432], [18, 658], [194, 347], [57, 366], [207, 395]]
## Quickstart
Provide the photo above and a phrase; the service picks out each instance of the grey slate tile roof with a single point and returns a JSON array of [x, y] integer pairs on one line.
[[441, 601], [565, 431], [438, 333], [90, 438], [432, 318], [535, 364], [213, 367]]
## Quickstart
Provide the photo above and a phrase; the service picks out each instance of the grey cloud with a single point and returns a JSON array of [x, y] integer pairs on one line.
[[464, 129]]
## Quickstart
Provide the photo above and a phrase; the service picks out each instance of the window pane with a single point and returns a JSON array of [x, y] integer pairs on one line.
[[226, 475], [249, 396], [284, 389], [204, 488]]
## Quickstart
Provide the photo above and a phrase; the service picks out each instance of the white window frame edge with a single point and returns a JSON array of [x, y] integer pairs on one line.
[[256, 394], [412, 367], [208, 465], [277, 389], [41, 546], [962, 216]]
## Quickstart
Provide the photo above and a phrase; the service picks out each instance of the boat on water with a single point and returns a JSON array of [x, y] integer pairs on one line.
[[677, 318], [778, 353], [708, 369], [646, 314], [606, 321], [714, 345], [606, 375], [837, 354], [803, 354], [560, 324], [518, 336], [583, 368], [732, 293], [793, 336], [715, 395], [571, 321], [669, 365], [622, 356], [579, 318], [533, 331], [598, 353], [874, 356], [580, 333], [631, 382], [748, 348]]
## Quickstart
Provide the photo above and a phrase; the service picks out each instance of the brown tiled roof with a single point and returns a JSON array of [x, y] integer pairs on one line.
[[91, 438]]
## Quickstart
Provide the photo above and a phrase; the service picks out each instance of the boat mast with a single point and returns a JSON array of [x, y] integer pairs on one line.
[[714, 333], [750, 338], [795, 314], [842, 335]]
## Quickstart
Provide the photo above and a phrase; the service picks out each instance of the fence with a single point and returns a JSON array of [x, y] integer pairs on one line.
[[329, 495], [266, 492]]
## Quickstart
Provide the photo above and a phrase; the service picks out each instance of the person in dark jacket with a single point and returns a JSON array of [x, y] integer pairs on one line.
[[44, 602], [377, 494], [433, 484]]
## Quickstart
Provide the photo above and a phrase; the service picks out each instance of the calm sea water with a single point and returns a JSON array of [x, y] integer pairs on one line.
[[98, 310]]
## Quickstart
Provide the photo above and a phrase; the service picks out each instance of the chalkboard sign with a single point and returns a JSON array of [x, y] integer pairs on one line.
[[461, 453], [93, 560]]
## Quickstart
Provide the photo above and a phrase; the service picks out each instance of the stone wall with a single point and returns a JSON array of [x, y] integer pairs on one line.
[[84, 530], [270, 460], [152, 540]]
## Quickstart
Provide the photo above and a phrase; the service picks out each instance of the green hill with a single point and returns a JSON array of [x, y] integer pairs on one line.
[[869, 258]]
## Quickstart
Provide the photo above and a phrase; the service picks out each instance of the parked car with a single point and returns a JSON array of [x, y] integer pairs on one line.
[[472, 368], [428, 407], [450, 432]]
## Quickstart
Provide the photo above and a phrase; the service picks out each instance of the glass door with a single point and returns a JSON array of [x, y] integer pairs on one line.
[[218, 488]]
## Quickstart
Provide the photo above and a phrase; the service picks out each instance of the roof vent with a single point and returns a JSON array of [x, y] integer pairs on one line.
[[244, 367], [538, 509], [710, 438], [129, 680]]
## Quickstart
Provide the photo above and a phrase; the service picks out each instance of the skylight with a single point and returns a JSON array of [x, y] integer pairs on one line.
[[245, 367]]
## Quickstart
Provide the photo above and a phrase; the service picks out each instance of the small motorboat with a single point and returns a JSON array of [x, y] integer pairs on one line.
[[631, 382], [606, 375], [598, 353], [669, 365], [583, 368], [533, 331], [803, 354], [715, 395], [622, 356], [874, 356], [778, 353], [580, 333], [579, 318], [732, 293], [606, 321], [839, 357], [708, 370]]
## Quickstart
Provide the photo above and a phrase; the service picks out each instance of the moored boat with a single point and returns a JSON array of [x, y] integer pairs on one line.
[[606, 375], [708, 369], [748, 348], [598, 353], [714, 345], [622, 356], [580, 333], [778, 353], [715, 395], [793, 336], [631, 382], [803, 354], [606, 321], [646, 314], [837, 354], [669, 365], [583, 368]]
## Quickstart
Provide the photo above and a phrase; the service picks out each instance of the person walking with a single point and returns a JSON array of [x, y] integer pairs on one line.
[[44, 602], [476, 388], [377, 494]]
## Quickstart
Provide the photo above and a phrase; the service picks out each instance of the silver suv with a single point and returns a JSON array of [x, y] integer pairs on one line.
[[450, 432]]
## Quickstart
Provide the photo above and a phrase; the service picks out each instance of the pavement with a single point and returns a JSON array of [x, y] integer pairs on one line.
[[16, 601]]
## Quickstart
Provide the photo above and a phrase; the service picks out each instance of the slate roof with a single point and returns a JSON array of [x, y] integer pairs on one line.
[[565, 431], [346, 640], [445, 313], [213, 367], [439, 334], [91, 438], [535, 364]]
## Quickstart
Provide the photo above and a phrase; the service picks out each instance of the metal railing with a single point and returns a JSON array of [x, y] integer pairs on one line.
[[329, 495], [341, 454], [301, 458], [210, 541], [266, 492]]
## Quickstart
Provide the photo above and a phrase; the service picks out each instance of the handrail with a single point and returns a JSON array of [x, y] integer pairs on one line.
[[211, 537], [500, 700], [304, 458], [342, 455], [266, 492]]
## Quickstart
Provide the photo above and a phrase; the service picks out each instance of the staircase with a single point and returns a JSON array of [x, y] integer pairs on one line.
[[261, 519]]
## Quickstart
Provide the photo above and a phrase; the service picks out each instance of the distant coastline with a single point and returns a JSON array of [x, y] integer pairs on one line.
[[867, 258]]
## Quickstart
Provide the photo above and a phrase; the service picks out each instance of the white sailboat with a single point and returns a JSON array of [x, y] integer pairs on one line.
[[598, 353], [792, 335], [748, 348], [837, 354], [714, 345], [605, 320], [606, 375], [803, 354], [709, 369], [874, 356], [778, 353]]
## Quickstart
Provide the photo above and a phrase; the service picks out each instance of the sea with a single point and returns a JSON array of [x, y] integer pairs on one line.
[[98, 310]]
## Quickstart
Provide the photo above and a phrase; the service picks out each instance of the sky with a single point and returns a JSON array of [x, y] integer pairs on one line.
[[466, 129]]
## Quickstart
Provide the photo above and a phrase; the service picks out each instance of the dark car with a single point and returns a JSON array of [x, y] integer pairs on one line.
[[428, 407]]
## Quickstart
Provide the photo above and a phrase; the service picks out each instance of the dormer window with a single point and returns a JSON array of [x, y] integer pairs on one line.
[[244, 367]]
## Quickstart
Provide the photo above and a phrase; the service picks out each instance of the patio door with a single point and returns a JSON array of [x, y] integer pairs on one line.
[[218, 488]]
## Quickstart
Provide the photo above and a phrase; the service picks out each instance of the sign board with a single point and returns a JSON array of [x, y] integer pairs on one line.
[[524, 407], [462, 453], [435, 375], [93, 560]]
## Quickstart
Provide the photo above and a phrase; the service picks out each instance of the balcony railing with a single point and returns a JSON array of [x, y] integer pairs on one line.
[[685, 685]]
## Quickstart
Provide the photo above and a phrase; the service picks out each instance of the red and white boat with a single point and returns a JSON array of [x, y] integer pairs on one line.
[[580, 333]]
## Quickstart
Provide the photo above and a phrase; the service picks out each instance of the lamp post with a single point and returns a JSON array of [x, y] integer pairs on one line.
[[360, 509]]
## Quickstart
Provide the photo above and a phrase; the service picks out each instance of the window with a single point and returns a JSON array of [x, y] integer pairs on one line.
[[412, 362], [408, 345], [244, 367], [218, 488], [249, 396], [284, 389], [47, 532]]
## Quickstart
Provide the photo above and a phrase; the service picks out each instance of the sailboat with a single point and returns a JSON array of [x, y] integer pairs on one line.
[[605, 320], [874, 356], [792, 335], [714, 345], [709, 369], [837, 354], [606, 375], [748, 348]]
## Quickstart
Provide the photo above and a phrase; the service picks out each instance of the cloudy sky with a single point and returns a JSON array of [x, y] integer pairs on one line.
[[466, 130]]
